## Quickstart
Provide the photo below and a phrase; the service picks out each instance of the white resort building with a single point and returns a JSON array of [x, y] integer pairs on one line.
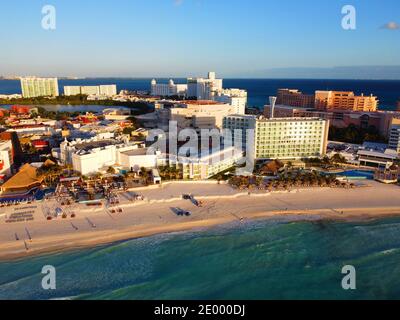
[[39, 87], [206, 165], [168, 89], [108, 90], [237, 98], [6, 159], [196, 114], [203, 89], [97, 155], [116, 114]]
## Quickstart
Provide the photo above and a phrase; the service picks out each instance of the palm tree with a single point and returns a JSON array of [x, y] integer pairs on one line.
[[111, 170], [175, 174], [167, 173], [50, 173], [145, 174], [326, 160], [69, 168]]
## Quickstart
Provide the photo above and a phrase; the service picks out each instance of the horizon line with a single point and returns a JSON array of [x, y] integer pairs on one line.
[[16, 78]]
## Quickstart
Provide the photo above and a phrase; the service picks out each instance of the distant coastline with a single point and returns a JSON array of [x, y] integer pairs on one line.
[[388, 91]]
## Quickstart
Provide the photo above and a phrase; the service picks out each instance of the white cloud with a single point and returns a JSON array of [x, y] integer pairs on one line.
[[178, 2], [391, 26]]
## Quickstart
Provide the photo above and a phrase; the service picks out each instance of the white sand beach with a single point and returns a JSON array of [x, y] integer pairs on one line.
[[154, 215]]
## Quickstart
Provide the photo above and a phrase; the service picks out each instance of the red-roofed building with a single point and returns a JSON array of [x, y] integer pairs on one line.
[[3, 113], [40, 144], [88, 118], [20, 109]]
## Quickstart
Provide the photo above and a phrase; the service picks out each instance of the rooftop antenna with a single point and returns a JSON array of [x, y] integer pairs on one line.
[[272, 102]]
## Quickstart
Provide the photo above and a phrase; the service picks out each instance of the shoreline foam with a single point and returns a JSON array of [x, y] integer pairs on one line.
[[88, 240], [222, 205]]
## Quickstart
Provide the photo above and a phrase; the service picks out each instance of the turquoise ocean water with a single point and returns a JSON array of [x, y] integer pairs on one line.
[[274, 259]]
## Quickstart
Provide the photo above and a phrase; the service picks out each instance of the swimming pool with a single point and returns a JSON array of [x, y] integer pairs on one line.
[[357, 175]]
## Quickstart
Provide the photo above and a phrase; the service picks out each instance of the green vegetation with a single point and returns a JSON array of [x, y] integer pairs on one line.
[[353, 134], [336, 161], [287, 181], [246, 183], [29, 149], [169, 173], [128, 130], [298, 179], [139, 107], [111, 170], [134, 126], [225, 175], [56, 115], [50, 173]]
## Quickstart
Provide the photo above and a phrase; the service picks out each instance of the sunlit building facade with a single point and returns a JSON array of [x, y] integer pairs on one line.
[[237, 98], [345, 100], [204, 89], [280, 138], [295, 98], [33, 87]]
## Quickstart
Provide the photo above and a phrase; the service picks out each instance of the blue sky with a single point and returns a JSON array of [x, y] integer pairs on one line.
[[143, 38]]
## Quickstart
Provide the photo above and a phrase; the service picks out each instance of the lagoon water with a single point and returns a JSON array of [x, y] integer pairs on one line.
[[272, 259]]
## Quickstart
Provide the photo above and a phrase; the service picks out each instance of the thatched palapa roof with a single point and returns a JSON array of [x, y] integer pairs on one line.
[[26, 177]]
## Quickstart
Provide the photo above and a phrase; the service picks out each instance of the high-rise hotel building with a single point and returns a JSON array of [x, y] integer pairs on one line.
[[108, 90], [203, 89], [237, 98], [280, 138], [345, 100], [295, 98], [394, 135], [39, 87]]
